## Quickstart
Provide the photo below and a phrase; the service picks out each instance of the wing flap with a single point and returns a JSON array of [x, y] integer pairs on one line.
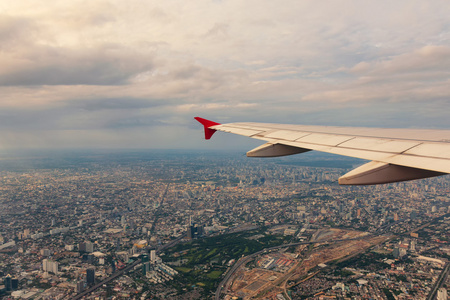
[[288, 135], [358, 153], [241, 131], [324, 139], [382, 145], [431, 150]]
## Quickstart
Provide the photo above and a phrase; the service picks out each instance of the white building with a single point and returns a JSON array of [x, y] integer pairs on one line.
[[50, 266], [153, 256]]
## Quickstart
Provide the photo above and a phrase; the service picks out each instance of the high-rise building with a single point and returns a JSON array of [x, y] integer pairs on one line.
[[89, 258], [89, 247], [86, 247], [412, 245], [153, 256], [399, 252], [50, 266], [15, 283], [194, 232], [8, 283], [90, 277], [395, 217], [45, 252], [69, 247], [80, 286], [189, 232]]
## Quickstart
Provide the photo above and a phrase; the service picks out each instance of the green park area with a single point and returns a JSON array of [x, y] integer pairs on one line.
[[205, 260]]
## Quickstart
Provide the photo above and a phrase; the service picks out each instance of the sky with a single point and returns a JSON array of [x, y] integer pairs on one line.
[[134, 74]]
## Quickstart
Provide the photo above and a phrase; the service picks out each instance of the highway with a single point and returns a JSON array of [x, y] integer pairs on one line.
[[163, 197], [126, 269], [130, 267], [439, 282], [110, 278]]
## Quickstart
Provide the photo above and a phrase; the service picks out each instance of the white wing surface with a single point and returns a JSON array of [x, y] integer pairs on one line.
[[395, 154]]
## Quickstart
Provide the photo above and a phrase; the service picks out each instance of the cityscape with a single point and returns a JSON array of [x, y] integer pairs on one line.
[[216, 225]]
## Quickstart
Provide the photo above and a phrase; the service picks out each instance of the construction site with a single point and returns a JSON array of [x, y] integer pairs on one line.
[[270, 275]]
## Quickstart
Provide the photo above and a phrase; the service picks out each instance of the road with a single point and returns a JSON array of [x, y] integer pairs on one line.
[[110, 278], [439, 282], [152, 229], [130, 267]]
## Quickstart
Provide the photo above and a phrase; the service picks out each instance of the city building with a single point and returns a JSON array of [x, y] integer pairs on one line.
[[50, 266], [80, 286], [86, 247], [90, 277], [8, 283]]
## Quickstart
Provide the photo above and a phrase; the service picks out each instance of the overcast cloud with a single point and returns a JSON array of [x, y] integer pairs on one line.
[[133, 74]]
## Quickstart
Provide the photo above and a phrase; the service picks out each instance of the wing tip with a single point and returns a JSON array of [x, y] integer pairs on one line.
[[206, 124]]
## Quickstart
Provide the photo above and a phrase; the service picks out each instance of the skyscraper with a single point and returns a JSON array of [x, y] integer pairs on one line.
[[153, 256], [412, 245], [90, 276], [80, 286], [15, 284], [86, 247], [8, 283], [194, 232], [50, 266]]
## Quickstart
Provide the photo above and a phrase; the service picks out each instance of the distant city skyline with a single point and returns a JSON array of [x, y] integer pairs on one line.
[[110, 74], [74, 224]]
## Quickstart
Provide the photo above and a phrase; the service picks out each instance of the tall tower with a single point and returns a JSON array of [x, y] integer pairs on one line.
[[80, 286], [412, 245], [8, 283], [50, 266], [90, 276]]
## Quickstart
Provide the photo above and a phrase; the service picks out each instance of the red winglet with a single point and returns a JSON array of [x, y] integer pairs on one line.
[[206, 124]]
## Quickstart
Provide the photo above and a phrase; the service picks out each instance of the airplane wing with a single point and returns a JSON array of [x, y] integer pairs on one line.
[[394, 154]]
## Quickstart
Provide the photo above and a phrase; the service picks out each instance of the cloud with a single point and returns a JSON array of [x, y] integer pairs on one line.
[[107, 65], [434, 59], [112, 67]]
